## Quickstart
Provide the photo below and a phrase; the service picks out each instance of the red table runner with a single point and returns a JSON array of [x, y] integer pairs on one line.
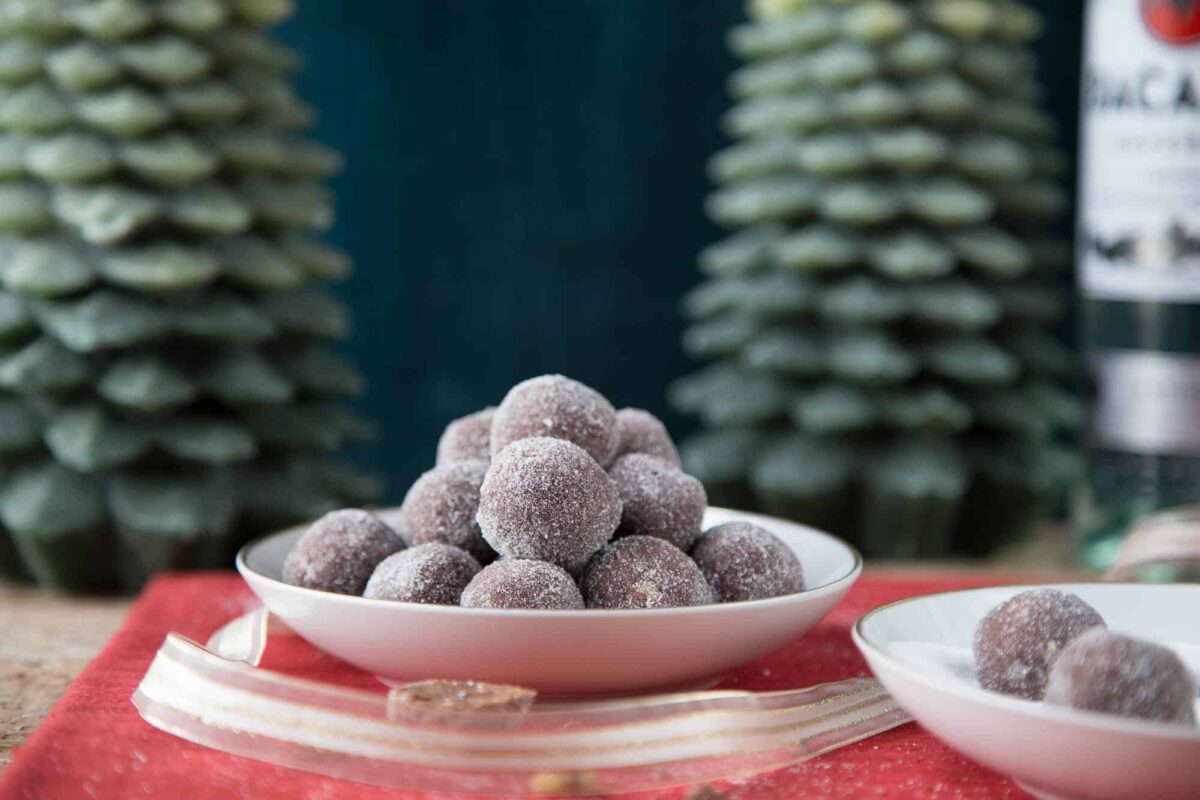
[[94, 745]]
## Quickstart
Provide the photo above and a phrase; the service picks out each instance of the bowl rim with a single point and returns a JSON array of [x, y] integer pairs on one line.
[[837, 586], [1094, 720]]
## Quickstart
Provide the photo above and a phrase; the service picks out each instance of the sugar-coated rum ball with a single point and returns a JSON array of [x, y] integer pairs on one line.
[[547, 500], [745, 562], [1112, 674], [521, 583], [560, 408], [1016, 642], [467, 438], [658, 500], [644, 572], [441, 507], [340, 550], [640, 431], [428, 573]]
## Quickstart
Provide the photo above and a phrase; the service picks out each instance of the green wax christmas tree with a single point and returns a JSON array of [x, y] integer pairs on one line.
[[166, 382], [877, 319]]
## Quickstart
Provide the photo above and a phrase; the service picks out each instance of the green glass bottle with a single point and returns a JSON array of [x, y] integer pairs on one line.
[[1139, 262]]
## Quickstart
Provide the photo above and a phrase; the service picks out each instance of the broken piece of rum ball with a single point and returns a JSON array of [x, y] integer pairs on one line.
[[560, 408], [428, 573], [430, 699], [640, 431], [1112, 674], [644, 572], [441, 507], [467, 438], [1017, 641], [548, 500], [745, 562], [521, 583], [340, 550], [658, 499]]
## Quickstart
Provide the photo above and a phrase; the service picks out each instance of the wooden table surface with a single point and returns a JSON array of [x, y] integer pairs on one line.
[[46, 639]]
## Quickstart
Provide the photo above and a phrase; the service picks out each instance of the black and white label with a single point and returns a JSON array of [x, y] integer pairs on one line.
[[1147, 402], [1139, 191]]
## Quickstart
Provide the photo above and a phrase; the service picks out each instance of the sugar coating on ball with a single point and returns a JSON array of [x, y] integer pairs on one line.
[[547, 500], [467, 438], [640, 431], [428, 573], [521, 583], [644, 572], [1112, 674], [340, 550], [441, 507], [1017, 641], [658, 500], [745, 562], [558, 407]]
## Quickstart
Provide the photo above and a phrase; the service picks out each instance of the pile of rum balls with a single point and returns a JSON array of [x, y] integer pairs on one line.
[[1048, 645], [552, 500]]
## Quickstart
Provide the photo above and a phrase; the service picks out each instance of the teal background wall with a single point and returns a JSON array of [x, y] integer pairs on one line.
[[523, 191]]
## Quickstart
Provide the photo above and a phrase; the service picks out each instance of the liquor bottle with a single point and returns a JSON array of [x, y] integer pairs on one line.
[[1138, 256]]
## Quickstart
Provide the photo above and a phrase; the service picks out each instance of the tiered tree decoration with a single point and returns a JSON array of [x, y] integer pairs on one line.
[[878, 321], [165, 377]]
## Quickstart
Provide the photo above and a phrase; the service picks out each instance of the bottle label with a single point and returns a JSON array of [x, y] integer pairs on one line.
[[1139, 191], [1147, 402]]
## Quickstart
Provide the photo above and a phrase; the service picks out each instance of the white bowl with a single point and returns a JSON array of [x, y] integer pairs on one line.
[[920, 649], [557, 652]]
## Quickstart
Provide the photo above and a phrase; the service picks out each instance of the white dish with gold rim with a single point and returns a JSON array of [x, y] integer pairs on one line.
[[558, 652], [920, 649]]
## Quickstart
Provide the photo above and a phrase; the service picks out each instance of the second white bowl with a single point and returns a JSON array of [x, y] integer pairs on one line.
[[920, 649]]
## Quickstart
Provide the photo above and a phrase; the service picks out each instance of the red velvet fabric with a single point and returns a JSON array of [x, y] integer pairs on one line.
[[94, 745]]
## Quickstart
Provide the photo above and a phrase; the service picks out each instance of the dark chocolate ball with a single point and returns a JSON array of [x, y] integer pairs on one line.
[[640, 431], [428, 573], [1112, 674], [548, 500], [560, 408], [644, 572], [658, 500], [340, 550], [467, 438], [441, 507], [745, 562], [1016, 642], [521, 583]]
